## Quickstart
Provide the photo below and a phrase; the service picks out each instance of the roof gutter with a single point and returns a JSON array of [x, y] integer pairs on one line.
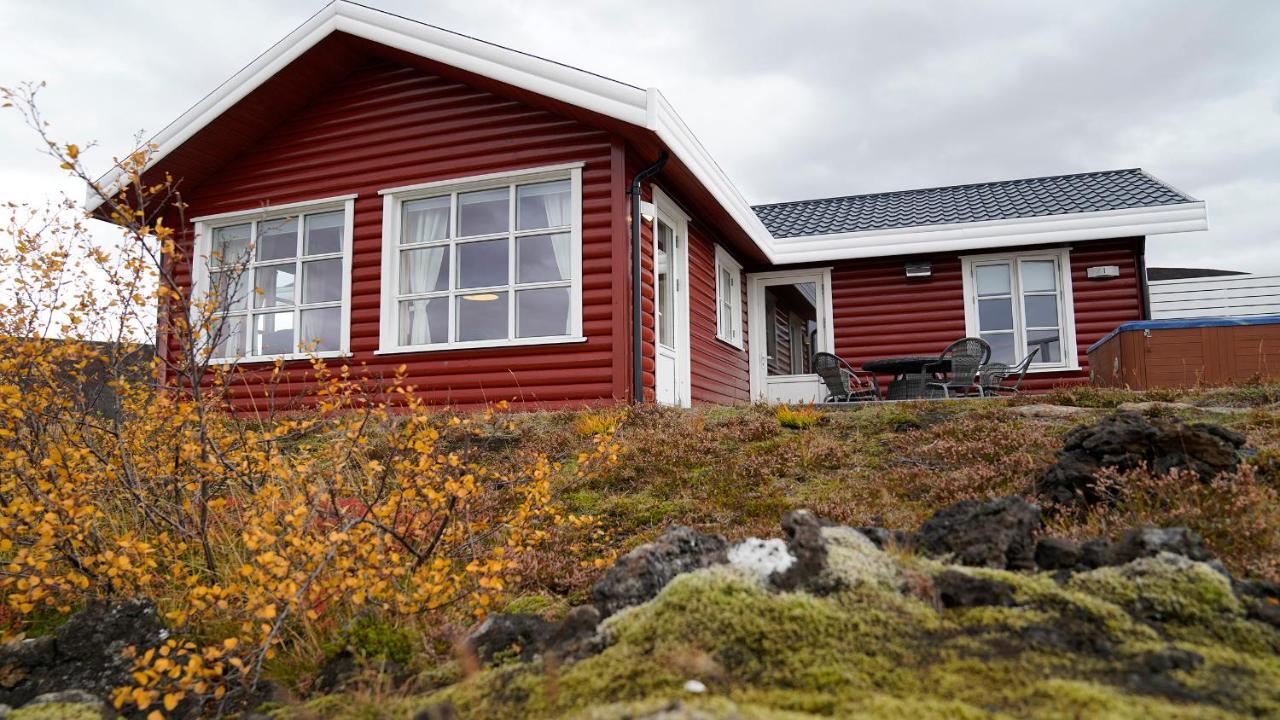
[[637, 334]]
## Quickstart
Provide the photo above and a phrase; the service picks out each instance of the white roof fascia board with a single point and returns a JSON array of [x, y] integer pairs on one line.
[[959, 237]]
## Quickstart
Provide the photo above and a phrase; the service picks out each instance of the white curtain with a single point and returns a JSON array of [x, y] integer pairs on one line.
[[560, 245], [426, 221], [421, 268]]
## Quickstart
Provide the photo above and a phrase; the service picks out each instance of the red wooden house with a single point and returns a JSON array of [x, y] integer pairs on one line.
[[400, 194]]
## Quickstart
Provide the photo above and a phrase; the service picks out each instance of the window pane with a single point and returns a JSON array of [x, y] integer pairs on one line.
[[483, 212], [278, 239], [482, 316], [1050, 345], [321, 330], [230, 336], [542, 311], [1001, 347], [543, 205], [995, 314], [324, 233], [482, 264], [273, 286], [230, 245], [273, 334], [229, 289], [425, 220], [322, 281], [992, 279], [1040, 310], [424, 270], [665, 288], [542, 258], [1039, 276], [424, 322]]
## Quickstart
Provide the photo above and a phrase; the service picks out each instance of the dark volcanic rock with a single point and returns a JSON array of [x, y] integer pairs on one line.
[[84, 654], [883, 537], [1057, 554], [809, 548], [640, 574], [958, 589], [522, 635], [1127, 440], [1096, 553], [1150, 541], [997, 534]]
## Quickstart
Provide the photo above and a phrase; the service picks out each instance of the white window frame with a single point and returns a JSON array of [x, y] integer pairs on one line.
[[392, 210], [733, 308], [1066, 303], [206, 224]]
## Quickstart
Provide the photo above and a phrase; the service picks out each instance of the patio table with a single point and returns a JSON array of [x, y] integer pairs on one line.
[[902, 367]]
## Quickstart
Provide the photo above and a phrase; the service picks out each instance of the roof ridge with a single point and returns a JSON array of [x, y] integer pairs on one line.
[[968, 185]]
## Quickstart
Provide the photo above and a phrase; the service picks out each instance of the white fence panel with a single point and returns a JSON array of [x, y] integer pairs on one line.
[[1227, 295]]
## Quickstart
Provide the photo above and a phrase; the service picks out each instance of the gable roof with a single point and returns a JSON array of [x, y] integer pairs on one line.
[[644, 108], [975, 202], [1044, 210]]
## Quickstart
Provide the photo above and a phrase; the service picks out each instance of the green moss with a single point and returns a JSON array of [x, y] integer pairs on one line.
[[370, 637], [58, 711], [1164, 588]]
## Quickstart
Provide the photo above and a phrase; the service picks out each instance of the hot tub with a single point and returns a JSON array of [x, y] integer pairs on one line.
[[1186, 353]]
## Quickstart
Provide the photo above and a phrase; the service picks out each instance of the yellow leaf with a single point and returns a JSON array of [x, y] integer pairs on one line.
[[155, 715], [171, 700], [73, 151]]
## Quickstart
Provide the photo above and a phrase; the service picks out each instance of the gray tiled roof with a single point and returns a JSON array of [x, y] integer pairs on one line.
[[1061, 194]]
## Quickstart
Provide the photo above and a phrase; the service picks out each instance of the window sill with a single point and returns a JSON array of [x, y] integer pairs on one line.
[[259, 359], [1033, 370], [735, 344], [480, 344]]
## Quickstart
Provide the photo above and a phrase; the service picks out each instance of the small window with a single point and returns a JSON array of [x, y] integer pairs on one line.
[[728, 298], [277, 281], [482, 263], [1021, 303]]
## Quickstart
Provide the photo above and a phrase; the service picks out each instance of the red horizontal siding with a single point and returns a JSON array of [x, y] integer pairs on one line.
[[718, 371], [881, 313], [386, 125]]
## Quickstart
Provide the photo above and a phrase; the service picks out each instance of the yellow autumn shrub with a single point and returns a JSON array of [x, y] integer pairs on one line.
[[248, 530]]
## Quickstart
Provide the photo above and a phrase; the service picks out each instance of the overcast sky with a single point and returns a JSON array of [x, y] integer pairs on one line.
[[794, 99]]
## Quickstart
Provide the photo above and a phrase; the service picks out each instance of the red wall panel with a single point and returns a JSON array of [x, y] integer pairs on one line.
[[386, 125], [718, 371], [881, 313]]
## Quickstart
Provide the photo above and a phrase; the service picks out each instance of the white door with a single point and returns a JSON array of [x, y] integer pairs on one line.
[[790, 316], [668, 288]]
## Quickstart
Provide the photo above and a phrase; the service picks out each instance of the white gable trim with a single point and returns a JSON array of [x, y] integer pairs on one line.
[[642, 108]]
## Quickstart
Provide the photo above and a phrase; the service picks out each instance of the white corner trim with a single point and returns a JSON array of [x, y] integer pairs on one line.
[[1070, 352], [958, 237]]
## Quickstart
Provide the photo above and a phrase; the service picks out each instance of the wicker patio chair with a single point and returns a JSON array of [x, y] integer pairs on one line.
[[844, 384], [992, 376], [967, 356]]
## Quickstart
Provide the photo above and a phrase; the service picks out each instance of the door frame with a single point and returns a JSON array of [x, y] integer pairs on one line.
[[672, 214], [756, 283]]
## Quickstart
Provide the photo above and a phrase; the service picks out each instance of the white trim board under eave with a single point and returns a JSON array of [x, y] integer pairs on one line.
[[642, 108], [993, 234]]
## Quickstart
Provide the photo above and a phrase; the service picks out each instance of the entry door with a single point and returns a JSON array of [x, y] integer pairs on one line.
[[670, 311], [790, 314]]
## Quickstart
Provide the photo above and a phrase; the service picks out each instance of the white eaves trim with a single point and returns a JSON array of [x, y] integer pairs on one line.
[[642, 108], [957, 237]]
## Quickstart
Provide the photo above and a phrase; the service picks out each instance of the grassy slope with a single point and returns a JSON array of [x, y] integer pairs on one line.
[[735, 471]]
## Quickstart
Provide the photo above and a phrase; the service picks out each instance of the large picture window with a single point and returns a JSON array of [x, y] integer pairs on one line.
[[1018, 303], [279, 281], [482, 262]]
